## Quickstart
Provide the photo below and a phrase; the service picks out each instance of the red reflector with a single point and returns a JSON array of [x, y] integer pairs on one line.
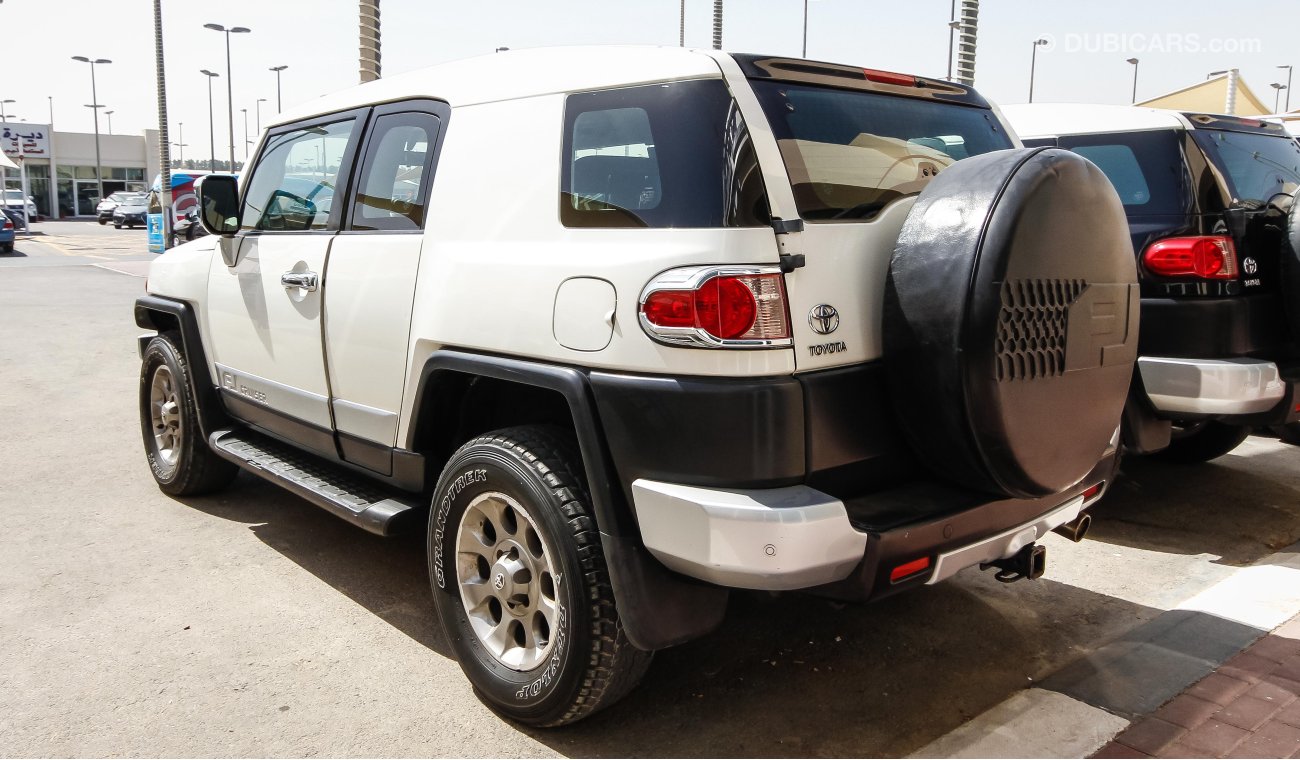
[[889, 77], [1093, 491], [909, 569], [1212, 257]]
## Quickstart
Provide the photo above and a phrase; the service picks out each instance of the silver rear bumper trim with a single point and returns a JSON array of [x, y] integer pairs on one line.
[[1004, 544], [1211, 386]]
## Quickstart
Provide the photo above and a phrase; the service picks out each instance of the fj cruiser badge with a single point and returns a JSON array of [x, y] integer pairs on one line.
[[823, 319]]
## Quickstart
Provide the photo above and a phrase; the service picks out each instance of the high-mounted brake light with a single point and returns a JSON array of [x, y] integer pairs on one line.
[[1209, 257], [889, 77], [717, 307]]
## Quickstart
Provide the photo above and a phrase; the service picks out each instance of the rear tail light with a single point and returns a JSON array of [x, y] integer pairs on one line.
[[1210, 257], [9, 225], [717, 307]]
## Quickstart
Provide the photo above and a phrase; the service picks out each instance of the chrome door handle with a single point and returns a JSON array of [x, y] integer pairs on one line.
[[304, 280]]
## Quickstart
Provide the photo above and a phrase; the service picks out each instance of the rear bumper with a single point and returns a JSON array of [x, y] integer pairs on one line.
[[798, 538], [1212, 387]]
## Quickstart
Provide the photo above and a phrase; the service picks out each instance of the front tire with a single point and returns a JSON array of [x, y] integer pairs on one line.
[[179, 457], [117, 226], [103, 221], [520, 583], [1200, 442]]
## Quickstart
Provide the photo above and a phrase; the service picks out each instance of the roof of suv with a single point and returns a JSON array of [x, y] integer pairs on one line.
[[519, 74], [1050, 119]]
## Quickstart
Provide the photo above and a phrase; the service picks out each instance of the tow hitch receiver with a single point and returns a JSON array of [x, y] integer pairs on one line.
[[1030, 562]]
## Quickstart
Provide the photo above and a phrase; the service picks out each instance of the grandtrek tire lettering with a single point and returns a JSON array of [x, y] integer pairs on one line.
[[444, 506], [822, 349]]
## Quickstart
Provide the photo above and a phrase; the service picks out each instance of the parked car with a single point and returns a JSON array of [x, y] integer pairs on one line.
[[766, 324], [104, 209], [1209, 199], [131, 210], [13, 199], [15, 216], [8, 230]]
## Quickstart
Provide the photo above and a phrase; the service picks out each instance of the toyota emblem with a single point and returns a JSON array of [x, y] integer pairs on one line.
[[823, 319], [500, 581], [1250, 265]]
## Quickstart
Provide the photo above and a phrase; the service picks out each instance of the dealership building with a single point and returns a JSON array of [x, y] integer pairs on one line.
[[60, 166]]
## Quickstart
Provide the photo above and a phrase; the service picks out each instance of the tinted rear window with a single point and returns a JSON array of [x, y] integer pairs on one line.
[[851, 153], [664, 155], [1258, 166], [1147, 169]]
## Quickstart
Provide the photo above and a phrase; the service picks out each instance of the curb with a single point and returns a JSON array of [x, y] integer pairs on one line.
[[1078, 709]]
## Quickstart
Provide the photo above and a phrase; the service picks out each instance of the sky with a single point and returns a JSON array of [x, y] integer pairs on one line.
[[1176, 41]]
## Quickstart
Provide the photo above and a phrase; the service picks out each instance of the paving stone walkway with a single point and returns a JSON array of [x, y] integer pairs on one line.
[[1249, 707]]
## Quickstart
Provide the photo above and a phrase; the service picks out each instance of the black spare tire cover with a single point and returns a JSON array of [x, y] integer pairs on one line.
[[1011, 321]]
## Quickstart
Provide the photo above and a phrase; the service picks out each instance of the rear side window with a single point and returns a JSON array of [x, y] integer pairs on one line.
[[1147, 169], [395, 174], [851, 153], [664, 155]]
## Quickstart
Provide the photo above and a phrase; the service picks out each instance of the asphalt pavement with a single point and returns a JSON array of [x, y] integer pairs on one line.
[[252, 623]]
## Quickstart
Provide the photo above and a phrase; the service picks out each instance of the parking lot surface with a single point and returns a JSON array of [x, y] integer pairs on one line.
[[252, 623]]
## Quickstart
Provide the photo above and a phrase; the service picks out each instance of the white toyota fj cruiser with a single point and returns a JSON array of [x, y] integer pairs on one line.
[[631, 327]]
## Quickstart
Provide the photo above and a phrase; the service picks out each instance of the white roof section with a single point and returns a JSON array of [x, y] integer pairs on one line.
[[521, 73], [1052, 119]]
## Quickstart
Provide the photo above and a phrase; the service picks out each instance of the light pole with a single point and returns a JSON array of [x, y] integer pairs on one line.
[[94, 100], [277, 70], [180, 154], [109, 114], [260, 101], [681, 27], [1135, 62], [4, 119], [805, 29], [212, 129], [230, 93], [1033, 63], [244, 111], [1288, 85], [1278, 87]]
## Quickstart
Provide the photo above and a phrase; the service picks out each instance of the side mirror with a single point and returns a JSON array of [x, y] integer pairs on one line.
[[219, 199]]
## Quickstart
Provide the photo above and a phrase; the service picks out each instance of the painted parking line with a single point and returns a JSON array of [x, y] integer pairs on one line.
[[1136, 673], [132, 268]]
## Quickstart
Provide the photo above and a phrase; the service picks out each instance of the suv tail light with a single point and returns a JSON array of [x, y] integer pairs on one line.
[[717, 307], [1210, 257]]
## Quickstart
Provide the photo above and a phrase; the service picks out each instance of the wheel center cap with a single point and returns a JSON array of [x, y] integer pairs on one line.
[[499, 582]]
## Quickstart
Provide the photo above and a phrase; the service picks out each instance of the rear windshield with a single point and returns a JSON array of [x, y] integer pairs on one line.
[[851, 153], [1258, 166], [1147, 168]]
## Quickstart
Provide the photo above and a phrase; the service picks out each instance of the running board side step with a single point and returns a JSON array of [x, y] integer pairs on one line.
[[329, 486]]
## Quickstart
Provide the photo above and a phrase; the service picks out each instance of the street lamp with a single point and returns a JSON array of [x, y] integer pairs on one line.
[[4, 119], [1033, 62], [109, 114], [1278, 87], [230, 94], [94, 99], [260, 101], [1288, 85], [277, 70], [212, 129], [1135, 62], [244, 111], [805, 29]]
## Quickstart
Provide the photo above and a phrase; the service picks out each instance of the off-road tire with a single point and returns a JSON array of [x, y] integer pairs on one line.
[[196, 469], [590, 664], [1210, 440]]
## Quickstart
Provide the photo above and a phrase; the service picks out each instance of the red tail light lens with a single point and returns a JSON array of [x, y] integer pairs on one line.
[[1211, 257], [722, 307], [9, 225]]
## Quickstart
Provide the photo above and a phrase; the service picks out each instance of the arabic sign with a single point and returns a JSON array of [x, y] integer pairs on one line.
[[25, 140]]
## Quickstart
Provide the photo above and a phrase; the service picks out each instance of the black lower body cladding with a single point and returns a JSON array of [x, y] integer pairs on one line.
[[1010, 325]]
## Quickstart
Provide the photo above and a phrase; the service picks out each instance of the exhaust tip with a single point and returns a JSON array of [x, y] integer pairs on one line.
[[1076, 529]]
